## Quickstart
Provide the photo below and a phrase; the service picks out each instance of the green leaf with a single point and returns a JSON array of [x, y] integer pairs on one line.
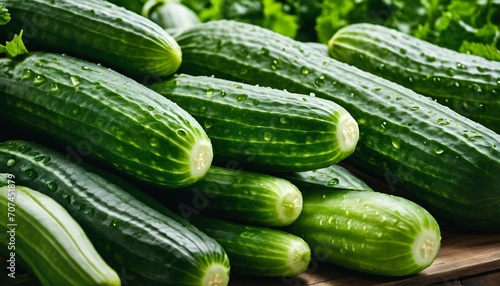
[[4, 15], [276, 19], [15, 47], [487, 51]]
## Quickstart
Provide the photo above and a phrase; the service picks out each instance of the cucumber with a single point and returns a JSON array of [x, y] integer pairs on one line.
[[262, 128], [334, 177], [249, 197], [93, 111], [256, 250], [149, 246], [468, 84], [370, 232], [172, 16], [98, 31], [446, 161], [42, 233]]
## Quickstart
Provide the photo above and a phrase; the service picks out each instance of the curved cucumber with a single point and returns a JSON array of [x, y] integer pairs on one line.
[[98, 31], [248, 197], [468, 84], [152, 246], [447, 161], [258, 250], [97, 112], [264, 128], [49, 240], [370, 232]]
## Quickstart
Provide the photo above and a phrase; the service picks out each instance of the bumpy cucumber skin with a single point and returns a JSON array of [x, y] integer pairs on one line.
[[258, 127], [248, 197], [95, 111], [52, 243], [448, 162], [468, 84], [256, 250], [98, 31], [333, 177], [150, 246], [370, 232]]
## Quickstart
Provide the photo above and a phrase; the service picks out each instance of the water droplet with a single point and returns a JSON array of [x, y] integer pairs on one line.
[[267, 136], [450, 72], [39, 79], [75, 80], [203, 109], [402, 51], [283, 120], [115, 223], [309, 140], [222, 93], [255, 102], [31, 173], [320, 80], [443, 121], [438, 150], [481, 69], [97, 85], [11, 162], [182, 132], [75, 110], [333, 182], [154, 142], [264, 51], [27, 73], [90, 212], [382, 126], [209, 92], [430, 58], [54, 87], [208, 124], [396, 143], [326, 63], [52, 186], [275, 64], [85, 68], [241, 97], [414, 108], [304, 70], [376, 88], [243, 71], [461, 66], [399, 97]]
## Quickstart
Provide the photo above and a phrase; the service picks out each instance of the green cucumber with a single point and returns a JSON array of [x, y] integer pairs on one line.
[[147, 245], [370, 232], [445, 160], [468, 84], [98, 31], [262, 128], [173, 16], [249, 197], [48, 240], [334, 177], [256, 250], [94, 111]]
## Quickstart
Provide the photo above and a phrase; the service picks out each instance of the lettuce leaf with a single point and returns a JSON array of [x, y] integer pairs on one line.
[[15, 47], [4, 15]]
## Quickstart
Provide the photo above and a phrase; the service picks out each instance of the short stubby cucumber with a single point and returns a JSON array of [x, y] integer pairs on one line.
[[96, 30], [447, 161], [94, 111], [334, 177], [240, 196], [263, 128], [466, 83], [257, 250], [48, 240], [371, 232], [151, 246]]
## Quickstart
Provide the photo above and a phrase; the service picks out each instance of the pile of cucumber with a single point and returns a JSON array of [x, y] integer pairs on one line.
[[137, 156]]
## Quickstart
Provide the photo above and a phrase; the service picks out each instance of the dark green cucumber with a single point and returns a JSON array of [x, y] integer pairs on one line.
[[334, 177], [98, 31], [370, 232], [445, 160], [94, 111], [240, 196], [468, 84], [150, 245], [258, 250], [41, 232], [259, 127]]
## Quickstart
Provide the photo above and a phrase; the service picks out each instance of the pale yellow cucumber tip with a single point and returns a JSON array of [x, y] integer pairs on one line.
[[347, 133], [201, 158], [216, 275]]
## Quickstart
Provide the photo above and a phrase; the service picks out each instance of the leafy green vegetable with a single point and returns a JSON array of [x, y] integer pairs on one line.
[[15, 47], [4, 15]]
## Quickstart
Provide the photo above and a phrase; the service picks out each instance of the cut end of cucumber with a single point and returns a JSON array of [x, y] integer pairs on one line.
[[216, 275], [426, 247], [290, 207], [299, 257], [347, 133], [201, 158]]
